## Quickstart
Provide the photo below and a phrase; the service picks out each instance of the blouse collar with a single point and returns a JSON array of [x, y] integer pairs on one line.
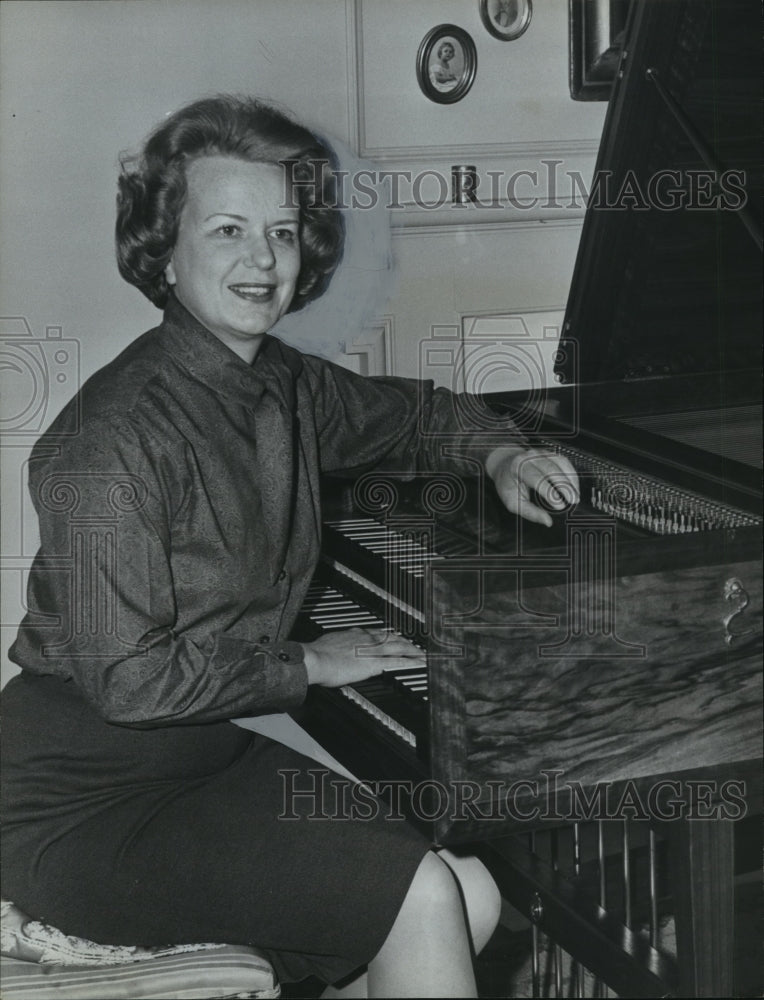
[[208, 359]]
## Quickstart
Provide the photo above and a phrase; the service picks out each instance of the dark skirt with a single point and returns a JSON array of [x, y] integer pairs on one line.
[[187, 834]]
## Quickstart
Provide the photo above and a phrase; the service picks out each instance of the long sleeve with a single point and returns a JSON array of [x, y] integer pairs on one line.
[[180, 520], [401, 424], [103, 605]]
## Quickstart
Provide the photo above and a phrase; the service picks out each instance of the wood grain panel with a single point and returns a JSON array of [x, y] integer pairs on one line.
[[603, 681]]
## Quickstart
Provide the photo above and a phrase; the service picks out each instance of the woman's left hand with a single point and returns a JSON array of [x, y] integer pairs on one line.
[[518, 475]]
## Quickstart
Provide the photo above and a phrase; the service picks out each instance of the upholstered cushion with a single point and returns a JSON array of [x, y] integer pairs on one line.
[[39, 962]]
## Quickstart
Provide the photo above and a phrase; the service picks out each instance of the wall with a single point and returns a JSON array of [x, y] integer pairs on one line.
[[515, 249], [80, 82]]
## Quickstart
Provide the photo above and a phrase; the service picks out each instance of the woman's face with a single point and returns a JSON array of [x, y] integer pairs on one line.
[[237, 257]]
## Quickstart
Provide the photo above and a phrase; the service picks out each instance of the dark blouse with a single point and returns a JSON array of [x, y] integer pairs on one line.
[[178, 500]]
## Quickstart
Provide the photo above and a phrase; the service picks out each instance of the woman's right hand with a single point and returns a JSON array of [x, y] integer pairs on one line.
[[339, 658]]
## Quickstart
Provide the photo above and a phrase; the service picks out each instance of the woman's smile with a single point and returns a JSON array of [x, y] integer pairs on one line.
[[254, 293]]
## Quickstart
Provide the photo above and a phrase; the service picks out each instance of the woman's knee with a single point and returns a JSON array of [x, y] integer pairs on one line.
[[446, 885], [481, 896], [433, 889]]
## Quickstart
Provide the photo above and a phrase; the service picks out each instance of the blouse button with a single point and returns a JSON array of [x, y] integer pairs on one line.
[[282, 575], [283, 655], [264, 639]]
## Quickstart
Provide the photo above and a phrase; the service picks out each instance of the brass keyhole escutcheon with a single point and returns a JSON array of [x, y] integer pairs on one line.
[[735, 595]]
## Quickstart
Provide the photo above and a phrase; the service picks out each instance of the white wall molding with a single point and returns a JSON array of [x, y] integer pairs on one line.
[[446, 225], [505, 99], [541, 149], [354, 77], [372, 353]]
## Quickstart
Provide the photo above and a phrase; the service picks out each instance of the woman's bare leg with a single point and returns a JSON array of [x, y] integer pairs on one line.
[[480, 894], [427, 952], [479, 899]]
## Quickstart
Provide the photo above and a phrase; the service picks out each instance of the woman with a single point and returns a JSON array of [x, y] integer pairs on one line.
[[179, 522]]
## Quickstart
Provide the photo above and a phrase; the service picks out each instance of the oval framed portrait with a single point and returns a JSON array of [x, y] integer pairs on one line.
[[446, 64], [506, 19]]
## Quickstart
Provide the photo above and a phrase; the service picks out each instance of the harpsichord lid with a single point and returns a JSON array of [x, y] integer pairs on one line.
[[668, 278]]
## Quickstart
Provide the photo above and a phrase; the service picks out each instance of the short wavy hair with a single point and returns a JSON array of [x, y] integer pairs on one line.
[[152, 188]]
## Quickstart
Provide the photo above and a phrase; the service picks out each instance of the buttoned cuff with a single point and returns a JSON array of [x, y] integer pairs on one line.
[[284, 679], [262, 676]]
